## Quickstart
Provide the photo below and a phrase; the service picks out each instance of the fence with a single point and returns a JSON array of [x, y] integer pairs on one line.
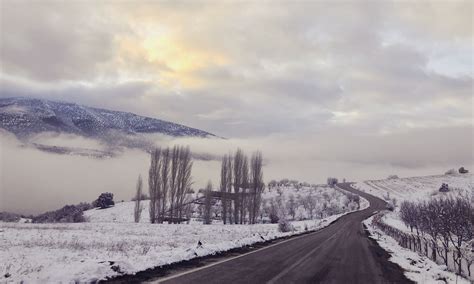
[[426, 247]]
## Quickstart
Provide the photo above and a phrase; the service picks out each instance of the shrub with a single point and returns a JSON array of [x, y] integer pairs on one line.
[[9, 217], [274, 218], [444, 188], [105, 200], [284, 226], [390, 206], [67, 214], [450, 172], [332, 181], [392, 177]]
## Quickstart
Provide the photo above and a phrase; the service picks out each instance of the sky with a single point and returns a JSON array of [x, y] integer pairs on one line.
[[365, 83]]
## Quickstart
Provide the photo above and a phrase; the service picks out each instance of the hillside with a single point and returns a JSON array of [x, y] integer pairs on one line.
[[417, 188], [26, 117]]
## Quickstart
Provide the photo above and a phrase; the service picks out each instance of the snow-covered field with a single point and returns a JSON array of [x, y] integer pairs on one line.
[[111, 244], [417, 188], [417, 268]]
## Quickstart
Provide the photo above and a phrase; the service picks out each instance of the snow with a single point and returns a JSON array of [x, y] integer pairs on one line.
[[417, 268], [417, 188], [85, 252], [27, 116]]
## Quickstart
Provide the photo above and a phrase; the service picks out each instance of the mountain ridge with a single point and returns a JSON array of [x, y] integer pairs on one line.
[[25, 117]]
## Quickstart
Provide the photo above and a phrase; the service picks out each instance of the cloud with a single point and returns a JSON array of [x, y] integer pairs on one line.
[[34, 181], [362, 89], [55, 41], [283, 67]]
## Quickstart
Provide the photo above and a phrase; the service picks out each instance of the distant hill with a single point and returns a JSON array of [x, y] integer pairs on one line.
[[27, 116]]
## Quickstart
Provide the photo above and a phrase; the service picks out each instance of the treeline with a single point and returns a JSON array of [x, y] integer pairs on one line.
[[169, 181], [241, 186], [307, 202], [67, 214], [9, 217], [445, 222]]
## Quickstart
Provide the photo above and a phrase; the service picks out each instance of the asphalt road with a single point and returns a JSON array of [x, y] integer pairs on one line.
[[340, 253]]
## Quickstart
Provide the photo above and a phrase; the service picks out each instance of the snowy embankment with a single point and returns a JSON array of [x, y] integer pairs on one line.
[[417, 268], [85, 252], [415, 189]]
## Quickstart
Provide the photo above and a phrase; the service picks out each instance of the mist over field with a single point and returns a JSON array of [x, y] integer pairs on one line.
[[33, 181]]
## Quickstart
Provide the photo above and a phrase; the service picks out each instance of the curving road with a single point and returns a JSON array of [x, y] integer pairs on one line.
[[340, 253]]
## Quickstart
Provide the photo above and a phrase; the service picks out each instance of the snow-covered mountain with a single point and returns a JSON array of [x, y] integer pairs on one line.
[[25, 117]]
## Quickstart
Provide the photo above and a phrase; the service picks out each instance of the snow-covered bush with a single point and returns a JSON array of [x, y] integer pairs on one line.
[[451, 172], [284, 225], [390, 206]]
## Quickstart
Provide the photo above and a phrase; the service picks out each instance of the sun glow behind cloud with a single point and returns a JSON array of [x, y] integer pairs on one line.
[[173, 62]]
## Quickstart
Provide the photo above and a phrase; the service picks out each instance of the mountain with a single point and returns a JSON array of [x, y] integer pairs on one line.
[[26, 117]]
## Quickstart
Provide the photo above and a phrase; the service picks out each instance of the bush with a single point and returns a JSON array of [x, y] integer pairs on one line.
[[450, 172], [444, 188], [274, 218], [392, 177], [284, 226], [390, 206], [105, 200], [9, 217], [332, 181], [67, 214], [462, 170]]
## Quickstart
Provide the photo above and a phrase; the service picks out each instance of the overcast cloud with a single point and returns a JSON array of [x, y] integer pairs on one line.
[[243, 69], [394, 76]]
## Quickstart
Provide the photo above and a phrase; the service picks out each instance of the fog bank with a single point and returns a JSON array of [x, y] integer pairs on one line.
[[32, 181]]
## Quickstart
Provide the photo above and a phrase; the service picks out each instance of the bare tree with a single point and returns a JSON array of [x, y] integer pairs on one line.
[[174, 178], [430, 223], [244, 187], [291, 206], [229, 186], [256, 183], [224, 175], [169, 181], [461, 227], [207, 204], [408, 214], [444, 231], [164, 178], [309, 203], [238, 162], [184, 178], [138, 198], [154, 184]]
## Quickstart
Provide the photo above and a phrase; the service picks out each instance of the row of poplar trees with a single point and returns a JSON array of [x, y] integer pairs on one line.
[[169, 181], [242, 187]]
